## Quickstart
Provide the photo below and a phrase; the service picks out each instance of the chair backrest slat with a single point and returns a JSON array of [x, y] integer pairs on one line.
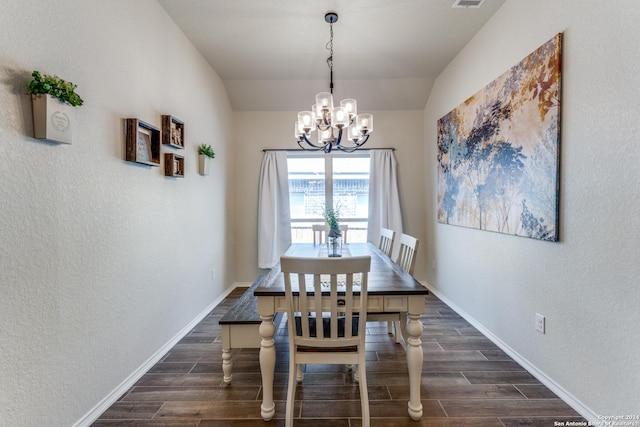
[[304, 306], [348, 304], [317, 297]]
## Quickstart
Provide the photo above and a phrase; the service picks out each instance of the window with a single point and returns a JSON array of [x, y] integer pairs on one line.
[[310, 191]]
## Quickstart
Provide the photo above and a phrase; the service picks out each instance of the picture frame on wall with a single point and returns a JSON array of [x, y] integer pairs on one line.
[[173, 165], [142, 142], [172, 131]]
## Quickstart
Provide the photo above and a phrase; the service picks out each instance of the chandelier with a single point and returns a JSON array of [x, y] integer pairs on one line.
[[331, 122]]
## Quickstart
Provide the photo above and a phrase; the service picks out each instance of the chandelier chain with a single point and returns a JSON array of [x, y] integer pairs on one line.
[[330, 58]]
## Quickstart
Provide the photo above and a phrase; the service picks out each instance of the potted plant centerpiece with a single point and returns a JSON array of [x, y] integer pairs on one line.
[[52, 100], [205, 152], [334, 236]]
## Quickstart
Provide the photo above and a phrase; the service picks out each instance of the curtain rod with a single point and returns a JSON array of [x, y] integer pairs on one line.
[[300, 149]]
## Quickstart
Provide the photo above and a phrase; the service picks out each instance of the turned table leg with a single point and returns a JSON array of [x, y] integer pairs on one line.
[[227, 363], [414, 355]]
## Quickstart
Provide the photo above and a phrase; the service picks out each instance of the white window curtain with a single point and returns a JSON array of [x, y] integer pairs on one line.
[[274, 220], [384, 199]]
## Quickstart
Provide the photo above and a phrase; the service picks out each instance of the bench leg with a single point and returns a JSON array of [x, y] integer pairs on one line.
[[227, 362], [299, 374]]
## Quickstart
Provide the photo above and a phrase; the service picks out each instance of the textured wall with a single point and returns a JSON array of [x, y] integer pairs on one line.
[[259, 130], [102, 261], [587, 284]]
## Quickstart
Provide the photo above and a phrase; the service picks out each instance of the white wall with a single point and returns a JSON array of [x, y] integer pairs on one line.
[[102, 261], [256, 131], [587, 284]]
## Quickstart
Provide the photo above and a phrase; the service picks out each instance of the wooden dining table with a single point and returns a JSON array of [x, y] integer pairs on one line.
[[390, 289]]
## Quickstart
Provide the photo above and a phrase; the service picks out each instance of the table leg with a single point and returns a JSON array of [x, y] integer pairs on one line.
[[226, 353], [227, 363], [267, 366], [414, 358]]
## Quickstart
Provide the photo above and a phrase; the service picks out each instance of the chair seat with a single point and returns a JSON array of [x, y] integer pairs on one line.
[[326, 326]]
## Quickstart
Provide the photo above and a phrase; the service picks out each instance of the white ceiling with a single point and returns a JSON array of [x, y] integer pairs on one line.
[[271, 54]]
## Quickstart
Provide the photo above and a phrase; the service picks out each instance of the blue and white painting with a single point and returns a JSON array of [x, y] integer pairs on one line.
[[498, 152]]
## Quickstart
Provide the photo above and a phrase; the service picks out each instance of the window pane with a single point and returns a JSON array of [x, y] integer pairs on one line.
[[306, 187], [306, 195], [351, 186]]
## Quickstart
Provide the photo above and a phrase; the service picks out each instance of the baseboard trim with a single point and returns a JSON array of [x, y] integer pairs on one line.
[[569, 399], [91, 416]]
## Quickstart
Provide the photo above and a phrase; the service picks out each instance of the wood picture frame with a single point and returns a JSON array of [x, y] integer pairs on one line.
[[173, 165], [172, 131], [142, 142]]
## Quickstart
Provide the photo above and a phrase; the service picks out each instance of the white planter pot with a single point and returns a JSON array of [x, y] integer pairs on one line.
[[203, 164], [52, 119]]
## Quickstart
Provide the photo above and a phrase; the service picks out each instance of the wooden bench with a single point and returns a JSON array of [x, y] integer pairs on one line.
[[240, 327]]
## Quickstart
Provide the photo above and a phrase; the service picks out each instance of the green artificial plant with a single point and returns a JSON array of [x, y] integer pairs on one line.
[[54, 86], [332, 216], [206, 150]]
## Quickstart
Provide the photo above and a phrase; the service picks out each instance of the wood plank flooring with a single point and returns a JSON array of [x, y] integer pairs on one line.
[[466, 381]]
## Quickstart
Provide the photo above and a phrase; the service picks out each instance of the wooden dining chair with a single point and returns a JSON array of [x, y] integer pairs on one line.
[[327, 324], [386, 241], [319, 232], [385, 244], [406, 258]]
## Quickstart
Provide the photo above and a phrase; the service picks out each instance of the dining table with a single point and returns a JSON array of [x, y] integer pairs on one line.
[[390, 290]]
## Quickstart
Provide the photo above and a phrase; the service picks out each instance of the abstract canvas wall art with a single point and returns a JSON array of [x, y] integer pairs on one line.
[[499, 152]]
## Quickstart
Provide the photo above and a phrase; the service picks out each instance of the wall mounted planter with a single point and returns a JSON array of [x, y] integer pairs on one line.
[[52, 119], [203, 164]]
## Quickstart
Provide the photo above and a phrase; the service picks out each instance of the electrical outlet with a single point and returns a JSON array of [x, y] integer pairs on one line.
[[213, 274], [540, 323]]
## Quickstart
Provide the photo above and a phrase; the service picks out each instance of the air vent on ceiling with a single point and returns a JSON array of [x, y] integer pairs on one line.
[[468, 3]]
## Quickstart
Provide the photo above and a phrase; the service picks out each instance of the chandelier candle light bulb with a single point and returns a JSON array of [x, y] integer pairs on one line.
[[324, 101], [325, 117], [350, 106], [339, 118]]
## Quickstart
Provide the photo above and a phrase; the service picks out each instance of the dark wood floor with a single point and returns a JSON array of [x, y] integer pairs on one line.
[[466, 381]]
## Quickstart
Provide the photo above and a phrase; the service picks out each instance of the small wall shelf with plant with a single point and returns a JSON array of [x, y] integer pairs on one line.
[[172, 132], [52, 101], [142, 142], [205, 152], [173, 165]]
